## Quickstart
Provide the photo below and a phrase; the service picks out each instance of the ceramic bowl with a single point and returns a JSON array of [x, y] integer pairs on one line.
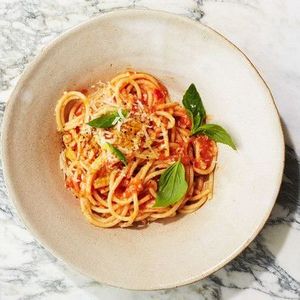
[[178, 51]]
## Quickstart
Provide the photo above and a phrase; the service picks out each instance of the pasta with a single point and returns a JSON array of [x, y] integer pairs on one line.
[[115, 170]]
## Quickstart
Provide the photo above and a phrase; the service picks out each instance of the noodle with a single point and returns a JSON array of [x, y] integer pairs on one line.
[[152, 135]]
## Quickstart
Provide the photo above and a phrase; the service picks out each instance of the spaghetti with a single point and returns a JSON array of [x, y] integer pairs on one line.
[[151, 133]]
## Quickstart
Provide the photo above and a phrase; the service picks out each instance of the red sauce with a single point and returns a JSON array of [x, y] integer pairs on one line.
[[197, 164], [76, 186], [134, 107], [181, 143], [144, 99], [162, 156], [152, 109], [143, 206], [185, 159], [160, 96], [102, 171], [134, 187], [184, 122], [70, 184], [121, 188], [84, 91], [206, 152], [127, 187]]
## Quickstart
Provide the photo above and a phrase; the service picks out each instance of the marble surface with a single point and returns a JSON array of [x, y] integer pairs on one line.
[[269, 33]]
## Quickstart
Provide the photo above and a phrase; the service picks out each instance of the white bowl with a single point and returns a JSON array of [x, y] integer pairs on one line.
[[177, 51]]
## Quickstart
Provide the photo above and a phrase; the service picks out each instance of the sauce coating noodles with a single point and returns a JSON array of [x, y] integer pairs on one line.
[[153, 135]]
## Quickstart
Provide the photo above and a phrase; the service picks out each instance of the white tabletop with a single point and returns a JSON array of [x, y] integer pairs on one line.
[[268, 32]]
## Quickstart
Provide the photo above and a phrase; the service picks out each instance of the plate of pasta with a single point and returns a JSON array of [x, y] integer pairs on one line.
[[143, 158], [131, 155]]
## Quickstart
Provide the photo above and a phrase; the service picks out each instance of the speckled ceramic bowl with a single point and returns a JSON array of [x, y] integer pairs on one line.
[[178, 51]]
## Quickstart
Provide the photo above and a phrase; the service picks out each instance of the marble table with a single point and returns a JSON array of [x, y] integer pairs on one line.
[[269, 33]]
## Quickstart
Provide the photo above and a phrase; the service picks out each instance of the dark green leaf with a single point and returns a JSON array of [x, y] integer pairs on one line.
[[216, 133], [193, 103], [107, 120], [172, 185], [196, 122], [115, 151]]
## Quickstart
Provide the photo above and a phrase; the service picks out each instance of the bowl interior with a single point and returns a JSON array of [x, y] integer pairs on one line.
[[179, 52]]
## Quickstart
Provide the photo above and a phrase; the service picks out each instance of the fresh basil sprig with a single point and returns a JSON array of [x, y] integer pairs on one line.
[[172, 185], [193, 104], [108, 120], [216, 133], [115, 151]]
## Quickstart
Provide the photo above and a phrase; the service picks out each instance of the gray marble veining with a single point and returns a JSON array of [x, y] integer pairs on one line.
[[270, 267]]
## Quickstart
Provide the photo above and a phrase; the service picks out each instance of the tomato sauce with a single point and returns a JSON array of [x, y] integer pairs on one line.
[[127, 187], [162, 156], [206, 152], [103, 171], [184, 122], [185, 159], [84, 91], [71, 184], [160, 95]]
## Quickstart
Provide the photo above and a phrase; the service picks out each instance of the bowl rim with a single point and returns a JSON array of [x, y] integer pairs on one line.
[[12, 195]]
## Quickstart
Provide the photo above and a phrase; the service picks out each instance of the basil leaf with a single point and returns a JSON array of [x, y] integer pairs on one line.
[[216, 133], [196, 123], [115, 151], [172, 185], [193, 103], [108, 120]]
